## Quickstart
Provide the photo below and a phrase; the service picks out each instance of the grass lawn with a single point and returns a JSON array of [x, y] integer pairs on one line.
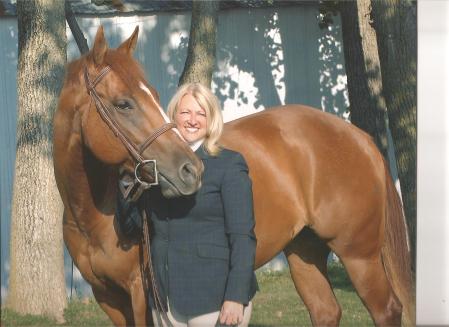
[[276, 304]]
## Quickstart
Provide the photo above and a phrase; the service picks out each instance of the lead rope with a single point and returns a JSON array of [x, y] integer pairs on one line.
[[161, 308]]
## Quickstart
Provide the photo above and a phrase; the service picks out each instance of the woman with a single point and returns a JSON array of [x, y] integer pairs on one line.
[[203, 245]]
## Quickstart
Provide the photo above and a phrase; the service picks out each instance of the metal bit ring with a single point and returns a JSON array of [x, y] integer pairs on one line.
[[155, 174]]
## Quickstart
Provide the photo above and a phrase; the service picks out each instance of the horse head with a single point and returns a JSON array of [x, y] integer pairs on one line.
[[121, 120]]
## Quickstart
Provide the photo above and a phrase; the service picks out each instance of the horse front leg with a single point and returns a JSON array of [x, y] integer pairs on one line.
[[141, 311], [116, 304]]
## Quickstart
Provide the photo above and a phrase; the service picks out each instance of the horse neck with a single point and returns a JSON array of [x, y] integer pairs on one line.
[[92, 187], [88, 187]]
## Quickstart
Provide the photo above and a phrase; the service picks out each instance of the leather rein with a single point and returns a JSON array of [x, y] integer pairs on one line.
[[136, 152]]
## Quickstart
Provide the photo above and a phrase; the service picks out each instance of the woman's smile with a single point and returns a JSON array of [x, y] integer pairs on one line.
[[192, 129], [191, 119]]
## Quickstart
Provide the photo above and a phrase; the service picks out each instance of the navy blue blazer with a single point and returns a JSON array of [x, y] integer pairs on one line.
[[203, 245]]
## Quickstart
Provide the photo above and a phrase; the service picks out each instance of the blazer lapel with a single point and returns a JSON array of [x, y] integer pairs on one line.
[[202, 154]]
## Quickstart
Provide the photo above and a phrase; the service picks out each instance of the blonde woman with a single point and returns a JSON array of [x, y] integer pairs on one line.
[[203, 245]]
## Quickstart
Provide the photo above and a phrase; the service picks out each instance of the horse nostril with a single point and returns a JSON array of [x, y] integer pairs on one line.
[[188, 173]]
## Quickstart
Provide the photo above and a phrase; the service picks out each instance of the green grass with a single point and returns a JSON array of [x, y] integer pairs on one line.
[[276, 304], [10, 318], [86, 313], [79, 312]]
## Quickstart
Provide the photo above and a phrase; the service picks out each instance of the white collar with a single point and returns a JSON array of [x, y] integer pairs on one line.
[[195, 145]]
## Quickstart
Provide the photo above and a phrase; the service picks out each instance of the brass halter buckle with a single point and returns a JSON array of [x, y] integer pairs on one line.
[[155, 173]]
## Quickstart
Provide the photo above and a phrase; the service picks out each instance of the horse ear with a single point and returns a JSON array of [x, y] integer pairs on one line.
[[100, 47], [130, 44]]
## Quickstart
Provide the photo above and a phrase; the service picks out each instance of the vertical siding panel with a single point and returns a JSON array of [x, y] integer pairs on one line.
[[312, 56], [295, 34], [8, 113], [257, 61]]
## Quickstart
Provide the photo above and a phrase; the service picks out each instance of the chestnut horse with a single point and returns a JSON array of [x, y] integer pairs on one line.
[[89, 157], [319, 184]]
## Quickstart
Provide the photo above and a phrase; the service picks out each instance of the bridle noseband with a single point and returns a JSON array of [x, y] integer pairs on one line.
[[135, 150]]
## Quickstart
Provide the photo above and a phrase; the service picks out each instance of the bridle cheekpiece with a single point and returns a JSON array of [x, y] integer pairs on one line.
[[135, 150]]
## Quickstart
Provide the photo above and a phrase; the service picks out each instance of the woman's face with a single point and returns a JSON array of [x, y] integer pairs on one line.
[[191, 119]]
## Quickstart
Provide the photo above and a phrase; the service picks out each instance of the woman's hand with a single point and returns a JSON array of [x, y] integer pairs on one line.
[[231, 313]]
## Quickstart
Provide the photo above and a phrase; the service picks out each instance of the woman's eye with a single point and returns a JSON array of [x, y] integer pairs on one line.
[[123, 105]]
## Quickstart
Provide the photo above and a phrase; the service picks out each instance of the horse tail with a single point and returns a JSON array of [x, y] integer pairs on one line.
[[396, 252]]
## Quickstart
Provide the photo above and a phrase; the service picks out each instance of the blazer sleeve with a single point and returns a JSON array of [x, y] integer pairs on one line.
[[128, 216], [237, 200]]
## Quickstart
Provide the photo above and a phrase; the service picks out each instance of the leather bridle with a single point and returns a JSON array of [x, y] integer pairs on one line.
[[135, 150]]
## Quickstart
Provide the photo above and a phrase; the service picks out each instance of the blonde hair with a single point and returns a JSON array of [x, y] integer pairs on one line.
[[209, 102]]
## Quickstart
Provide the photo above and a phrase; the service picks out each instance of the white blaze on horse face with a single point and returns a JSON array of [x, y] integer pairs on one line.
[[144, 88], [179, 134]]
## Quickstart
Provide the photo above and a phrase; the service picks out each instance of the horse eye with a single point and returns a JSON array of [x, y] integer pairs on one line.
[[123, 105]]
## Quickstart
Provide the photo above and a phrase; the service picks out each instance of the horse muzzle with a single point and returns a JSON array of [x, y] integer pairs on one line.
[[187, 181]]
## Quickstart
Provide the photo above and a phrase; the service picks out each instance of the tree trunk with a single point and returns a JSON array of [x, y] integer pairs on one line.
[[37, 284], [201, 55], [367, 104], [395, 25]]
